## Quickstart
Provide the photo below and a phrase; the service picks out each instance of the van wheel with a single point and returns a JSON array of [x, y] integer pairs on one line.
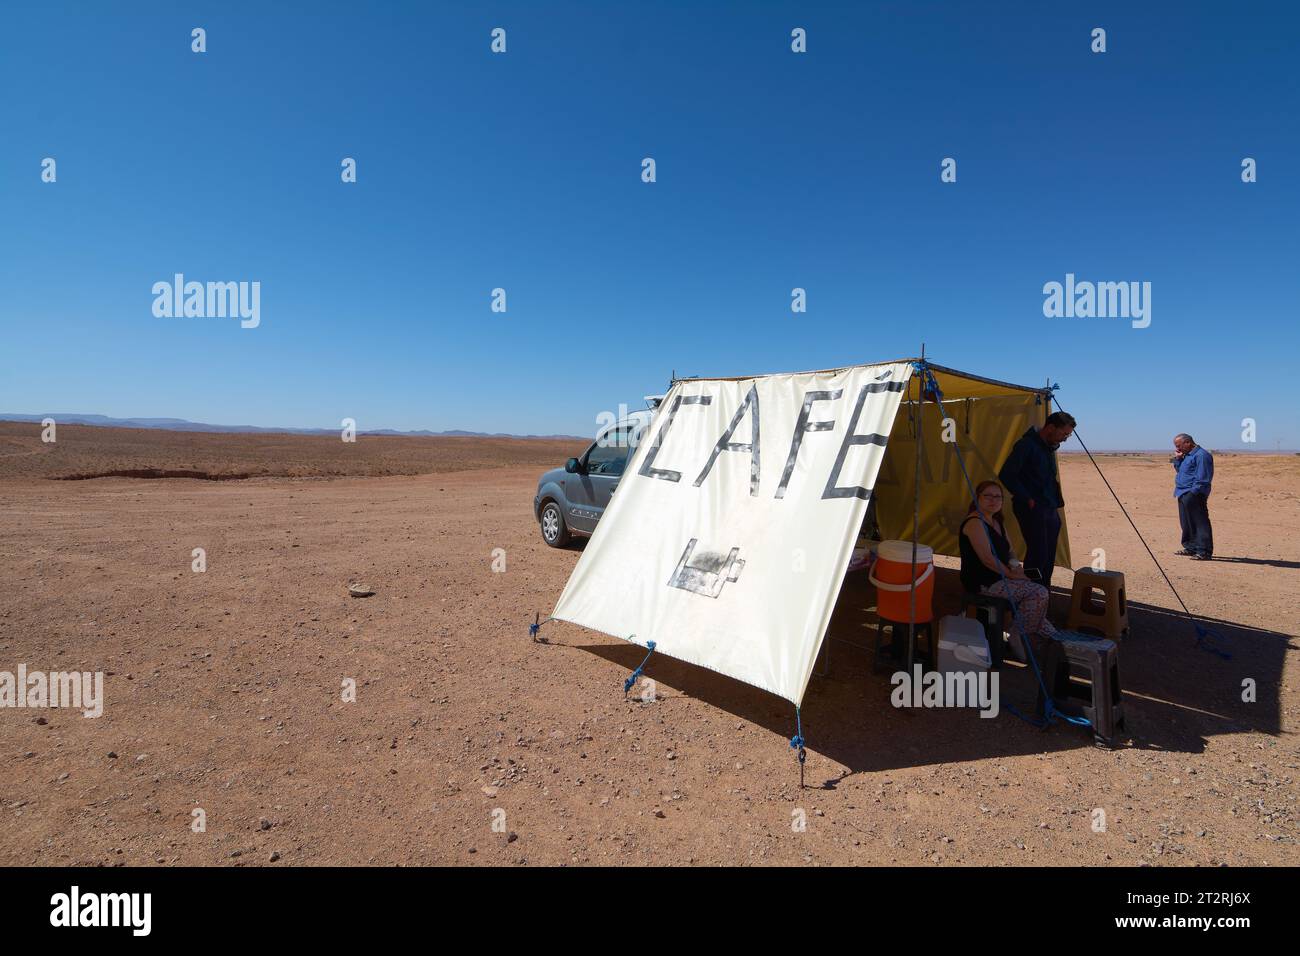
[[554, 531]]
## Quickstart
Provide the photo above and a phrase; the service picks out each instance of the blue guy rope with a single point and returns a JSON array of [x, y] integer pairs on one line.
[[797, 742], [931, 385], [1204, 636], [632, 678]]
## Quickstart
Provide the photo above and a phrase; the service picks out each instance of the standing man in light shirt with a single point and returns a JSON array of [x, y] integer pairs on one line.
[[1193, 474]]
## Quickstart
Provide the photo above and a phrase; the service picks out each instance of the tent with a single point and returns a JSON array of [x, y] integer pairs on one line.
[[733, 525]]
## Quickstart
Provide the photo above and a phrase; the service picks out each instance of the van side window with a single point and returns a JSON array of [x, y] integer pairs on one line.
[[609, 455]]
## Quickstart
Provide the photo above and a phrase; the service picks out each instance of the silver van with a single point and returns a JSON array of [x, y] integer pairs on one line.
[[570, 500]]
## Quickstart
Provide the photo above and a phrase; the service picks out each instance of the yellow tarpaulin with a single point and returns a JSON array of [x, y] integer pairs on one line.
[[988, 418]]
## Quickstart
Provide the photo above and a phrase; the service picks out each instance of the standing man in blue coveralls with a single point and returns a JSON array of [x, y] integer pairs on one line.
[[1193, 474], [1029, 473]]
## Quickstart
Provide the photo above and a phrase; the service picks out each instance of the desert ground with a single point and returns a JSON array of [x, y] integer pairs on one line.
[[223, 687]]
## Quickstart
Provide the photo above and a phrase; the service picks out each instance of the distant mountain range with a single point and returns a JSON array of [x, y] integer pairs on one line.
[[181, 425]]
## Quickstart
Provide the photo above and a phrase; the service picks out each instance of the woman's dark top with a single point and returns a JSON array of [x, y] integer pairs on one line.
[[974, 573]]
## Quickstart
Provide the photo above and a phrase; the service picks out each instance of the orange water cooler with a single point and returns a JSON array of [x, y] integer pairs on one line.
[[893, 574]]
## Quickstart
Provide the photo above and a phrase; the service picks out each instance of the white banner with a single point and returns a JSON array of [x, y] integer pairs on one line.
[[729, 534]]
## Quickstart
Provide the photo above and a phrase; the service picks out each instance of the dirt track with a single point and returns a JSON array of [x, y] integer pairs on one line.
[[223, 693]]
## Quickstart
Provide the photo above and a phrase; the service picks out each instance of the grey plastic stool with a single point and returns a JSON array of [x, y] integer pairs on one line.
[[1082, 673]]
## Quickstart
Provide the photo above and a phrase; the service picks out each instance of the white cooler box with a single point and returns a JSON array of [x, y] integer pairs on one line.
[[962, 646]]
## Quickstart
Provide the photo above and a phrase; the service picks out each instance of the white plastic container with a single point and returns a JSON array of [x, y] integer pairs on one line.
[[962, 646]]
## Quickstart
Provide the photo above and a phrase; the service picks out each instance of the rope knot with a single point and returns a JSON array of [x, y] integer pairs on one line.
[[929, 384]]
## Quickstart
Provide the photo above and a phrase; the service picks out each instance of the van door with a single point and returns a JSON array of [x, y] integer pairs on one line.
[[603, 467]]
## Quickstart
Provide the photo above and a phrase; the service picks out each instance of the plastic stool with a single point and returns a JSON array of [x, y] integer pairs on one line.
[[992, 612], [898, 639], [1110, 619], [1082, 673]]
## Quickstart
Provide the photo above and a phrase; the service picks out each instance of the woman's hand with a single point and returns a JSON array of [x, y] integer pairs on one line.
[[1016, 573]]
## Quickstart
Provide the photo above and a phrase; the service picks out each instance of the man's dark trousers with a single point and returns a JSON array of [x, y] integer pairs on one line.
[[1194, 516], [1040, 526]]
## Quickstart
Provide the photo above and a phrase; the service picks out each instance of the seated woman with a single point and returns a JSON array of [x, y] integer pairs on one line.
[[989, 566]]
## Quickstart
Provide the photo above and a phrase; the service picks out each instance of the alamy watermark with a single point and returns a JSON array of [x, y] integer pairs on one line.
[[627, 434], [83, 690], [977, 688], [130, 910], [212, 300], [1102, 300]]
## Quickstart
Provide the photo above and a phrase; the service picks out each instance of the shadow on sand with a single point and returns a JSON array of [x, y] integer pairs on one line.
[[1176, 695], [1267, 562]]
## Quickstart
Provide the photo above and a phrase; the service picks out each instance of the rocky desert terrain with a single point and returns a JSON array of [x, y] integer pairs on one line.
[[468, 743]]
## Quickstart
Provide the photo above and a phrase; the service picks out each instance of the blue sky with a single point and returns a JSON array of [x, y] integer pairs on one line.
[[522, 170]]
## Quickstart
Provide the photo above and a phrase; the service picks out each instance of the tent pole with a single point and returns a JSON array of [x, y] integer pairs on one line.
[[916, 519]]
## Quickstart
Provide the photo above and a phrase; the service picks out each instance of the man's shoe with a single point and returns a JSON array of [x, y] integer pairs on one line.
[[1203, 557], [1183, 552]]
